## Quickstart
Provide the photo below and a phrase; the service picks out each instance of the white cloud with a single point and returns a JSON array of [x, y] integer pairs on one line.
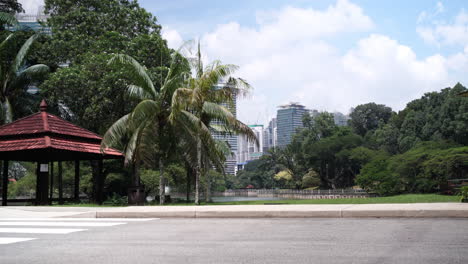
[[174, 40], [446, 33], [31, 6], [428, 15], [290, 56]]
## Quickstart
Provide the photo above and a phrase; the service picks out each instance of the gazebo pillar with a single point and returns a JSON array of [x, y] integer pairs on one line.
[[51, 182], [5, 183], [77, 181], [100, 183], [60, 182], [42, 185]]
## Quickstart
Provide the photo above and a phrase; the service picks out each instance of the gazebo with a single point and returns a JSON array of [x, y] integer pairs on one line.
[[45, 138]]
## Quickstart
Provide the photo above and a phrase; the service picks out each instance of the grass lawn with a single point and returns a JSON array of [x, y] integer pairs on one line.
[[404, 198]]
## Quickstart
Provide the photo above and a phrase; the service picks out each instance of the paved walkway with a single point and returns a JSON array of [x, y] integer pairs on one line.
[[245, 211]]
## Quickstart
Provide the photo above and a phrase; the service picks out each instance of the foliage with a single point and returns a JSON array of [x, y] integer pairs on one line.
[[11, 7], [422, 169], [74, 29], [26, 186], [217, 181], [310, 179], [464, 194], [198, 109], [256, 173], [435, 116], [117, 200], [366, 117], [16, 74]]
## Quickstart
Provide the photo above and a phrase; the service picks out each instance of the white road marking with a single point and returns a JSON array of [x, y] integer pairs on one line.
[[80, 219], [41, 230], [58, 224], [11, 240]]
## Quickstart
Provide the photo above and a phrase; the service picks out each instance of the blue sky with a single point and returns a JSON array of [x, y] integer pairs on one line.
[[396, 18], [330, 55]]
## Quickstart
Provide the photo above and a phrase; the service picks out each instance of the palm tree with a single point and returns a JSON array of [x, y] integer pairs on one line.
[[198, 107], [145, 134], [15, 77]]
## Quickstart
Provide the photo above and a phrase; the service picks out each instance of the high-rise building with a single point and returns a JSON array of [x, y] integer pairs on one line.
[[289, 119], [33, 21], [270, 136], [230, 164], [249, 150], [340, 119]]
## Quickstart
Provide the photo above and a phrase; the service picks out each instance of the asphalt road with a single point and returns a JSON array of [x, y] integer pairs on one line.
[[248, 241]]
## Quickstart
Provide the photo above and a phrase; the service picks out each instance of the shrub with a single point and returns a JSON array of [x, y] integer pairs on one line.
[[464, 194]]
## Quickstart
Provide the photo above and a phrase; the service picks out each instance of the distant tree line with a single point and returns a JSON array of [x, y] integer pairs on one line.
[[415, 150]]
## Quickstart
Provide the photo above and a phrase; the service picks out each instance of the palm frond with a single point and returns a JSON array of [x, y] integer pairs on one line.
[[21, 55], [7, 111], [137, 72], [138, 92], [230, 122], [116, 134], [5, 42], [144, 111]]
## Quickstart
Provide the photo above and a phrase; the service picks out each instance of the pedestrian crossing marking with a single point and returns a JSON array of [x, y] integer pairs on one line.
[[11, 240], [79, 219], [40, 230], [58, 224], [42, 225]]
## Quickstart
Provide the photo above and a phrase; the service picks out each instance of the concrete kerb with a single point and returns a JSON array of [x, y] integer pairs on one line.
[[292, 211], [434, 210]]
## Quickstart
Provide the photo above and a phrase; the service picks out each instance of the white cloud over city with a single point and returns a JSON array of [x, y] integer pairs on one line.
[[289, 57], [293, 54]]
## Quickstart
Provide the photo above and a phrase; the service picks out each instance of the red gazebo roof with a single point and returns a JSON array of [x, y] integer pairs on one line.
[[43, 136]]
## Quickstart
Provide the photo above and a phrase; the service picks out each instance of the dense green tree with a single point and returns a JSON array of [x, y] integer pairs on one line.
[[366, 117], [11, 6], [424, 168], [82, 26], [257, 173], [435, 116]]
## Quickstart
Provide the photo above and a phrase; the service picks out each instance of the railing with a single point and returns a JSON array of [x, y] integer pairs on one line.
[[261, 192]]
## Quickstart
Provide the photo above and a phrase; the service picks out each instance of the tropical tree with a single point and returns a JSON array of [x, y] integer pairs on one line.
[[15, 74], [145, 134], [203, 107]]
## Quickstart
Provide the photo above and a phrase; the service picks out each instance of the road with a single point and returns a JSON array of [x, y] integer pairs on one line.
[[322, 240]]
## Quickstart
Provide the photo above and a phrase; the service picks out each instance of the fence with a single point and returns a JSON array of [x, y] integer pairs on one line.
[[296, 194]]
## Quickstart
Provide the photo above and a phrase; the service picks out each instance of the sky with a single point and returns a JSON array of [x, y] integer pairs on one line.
[[329, 55]]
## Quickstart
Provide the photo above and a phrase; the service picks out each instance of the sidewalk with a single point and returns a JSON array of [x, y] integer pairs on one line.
[[245, 211]]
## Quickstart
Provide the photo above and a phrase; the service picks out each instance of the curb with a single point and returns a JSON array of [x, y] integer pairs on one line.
[[286, 214]]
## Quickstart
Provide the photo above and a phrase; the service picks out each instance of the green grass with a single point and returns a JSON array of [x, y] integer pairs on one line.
[[404, 198]]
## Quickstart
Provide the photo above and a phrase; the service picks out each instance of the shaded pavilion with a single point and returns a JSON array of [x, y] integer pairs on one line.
[[45, 138]]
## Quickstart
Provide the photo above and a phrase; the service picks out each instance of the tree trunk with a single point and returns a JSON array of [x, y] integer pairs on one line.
[[208, 189], [99, 179], [162, 186], [189, 176], [198, 172]]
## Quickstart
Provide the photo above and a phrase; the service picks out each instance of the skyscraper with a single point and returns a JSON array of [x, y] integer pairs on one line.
[[270, 135], [230, 138], [33, 21], [289, 119]]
